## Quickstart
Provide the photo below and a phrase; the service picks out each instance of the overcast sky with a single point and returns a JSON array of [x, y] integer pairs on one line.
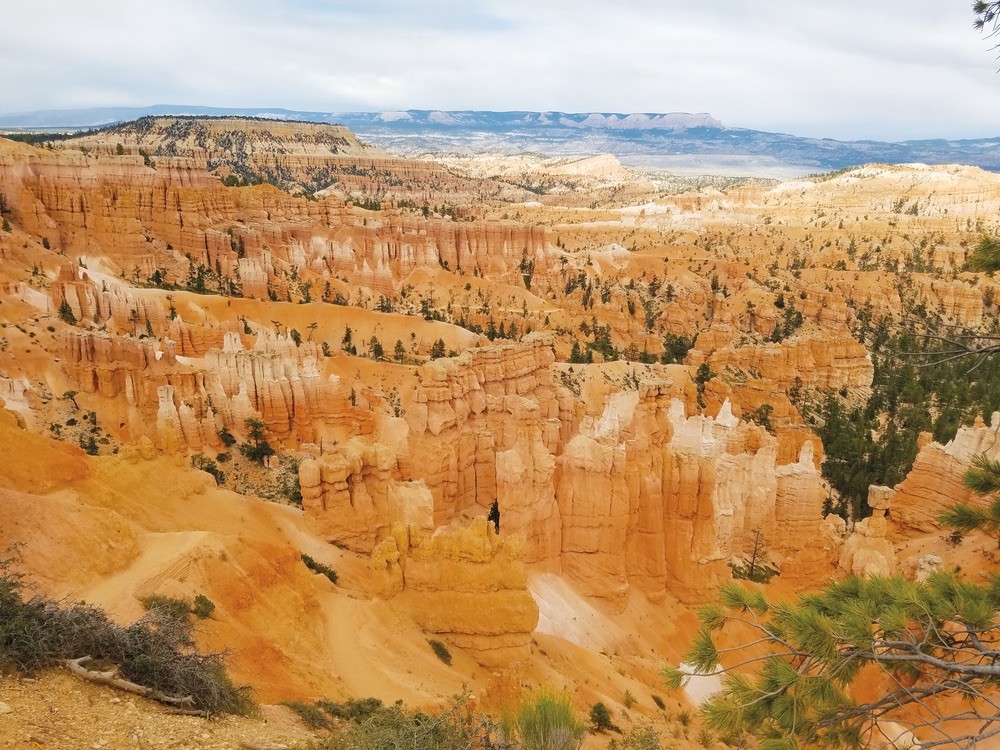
[[849, 69]]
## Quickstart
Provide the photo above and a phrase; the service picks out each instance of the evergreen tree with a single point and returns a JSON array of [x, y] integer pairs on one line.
[[983, 478], [257, 448], [931, 640], [986, 256], [600, 717], [66, 312]]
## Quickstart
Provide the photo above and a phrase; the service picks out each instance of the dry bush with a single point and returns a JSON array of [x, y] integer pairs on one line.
[[152, 652]]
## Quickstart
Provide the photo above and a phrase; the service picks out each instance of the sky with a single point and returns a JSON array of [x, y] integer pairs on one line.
[[850, 69]]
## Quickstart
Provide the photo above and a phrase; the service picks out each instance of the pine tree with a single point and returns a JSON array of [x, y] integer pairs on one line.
[[983, 478], [932, 641], [66, 312]]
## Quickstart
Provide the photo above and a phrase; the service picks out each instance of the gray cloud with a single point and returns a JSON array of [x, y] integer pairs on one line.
[[895, 69]]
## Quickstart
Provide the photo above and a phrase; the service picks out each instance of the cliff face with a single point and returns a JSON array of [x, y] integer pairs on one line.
[[828, 361], [352, 496], [490, 406], [298, 156], [618, 489]]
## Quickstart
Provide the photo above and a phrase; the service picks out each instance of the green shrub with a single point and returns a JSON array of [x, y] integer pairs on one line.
[[311, 716], [203, 607], [440, 650], [288, 480], [152, 652], [659, 702], [318, 567], [395, 727], [545, 721], [600, 717], [168, 606], [641, 737], [352, 710], [227, 438], [203, 463], [256, 448], [89, 445]]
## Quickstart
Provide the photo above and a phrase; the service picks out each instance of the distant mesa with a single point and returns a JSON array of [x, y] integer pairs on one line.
[[675, 141]]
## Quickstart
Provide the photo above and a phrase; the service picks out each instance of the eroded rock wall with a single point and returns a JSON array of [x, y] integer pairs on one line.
[[624, 489]]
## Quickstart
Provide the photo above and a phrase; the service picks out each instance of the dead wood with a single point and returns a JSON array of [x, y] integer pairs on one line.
[[112, 679]]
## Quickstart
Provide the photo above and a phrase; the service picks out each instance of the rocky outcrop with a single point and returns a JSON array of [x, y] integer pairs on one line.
[[391, 248], [829, 359], [630, 492], [352, 497], [112, 304], [275, 381], [289, 151], [866, 551], [935, 481], [618, 489], [471, 409], [176, 217], [467, 584]]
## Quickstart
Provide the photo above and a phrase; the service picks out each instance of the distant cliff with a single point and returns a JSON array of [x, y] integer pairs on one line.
[[670, 140]]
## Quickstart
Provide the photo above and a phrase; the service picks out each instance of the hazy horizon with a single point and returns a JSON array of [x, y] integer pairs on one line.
[[890, 71]]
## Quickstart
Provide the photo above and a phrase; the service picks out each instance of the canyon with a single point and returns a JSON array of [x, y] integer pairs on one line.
[[634, 374]]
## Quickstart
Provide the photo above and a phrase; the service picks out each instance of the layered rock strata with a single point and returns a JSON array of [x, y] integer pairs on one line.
[[467, 584]]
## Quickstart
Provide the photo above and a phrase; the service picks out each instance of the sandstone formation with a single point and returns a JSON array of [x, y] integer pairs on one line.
[[935, 482], [295, 152], [177, 218], [275, 381], [866, 551], [467, 584], [352, 498], [415, 348]]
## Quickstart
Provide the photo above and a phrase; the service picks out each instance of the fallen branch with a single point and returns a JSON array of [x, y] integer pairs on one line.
[[113, 680], [250, 746], [187, 712]]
